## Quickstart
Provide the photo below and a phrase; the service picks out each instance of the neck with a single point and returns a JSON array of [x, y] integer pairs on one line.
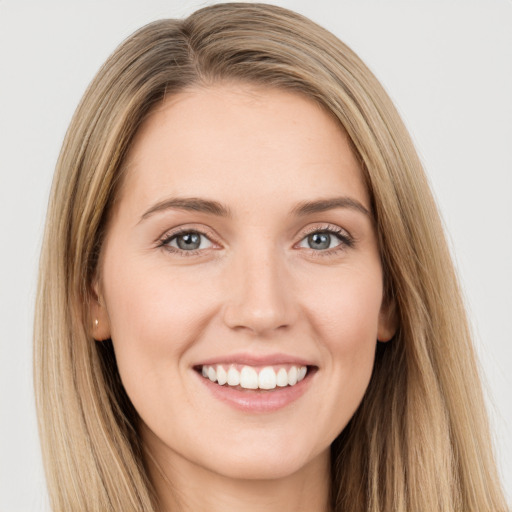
[[183, 486]]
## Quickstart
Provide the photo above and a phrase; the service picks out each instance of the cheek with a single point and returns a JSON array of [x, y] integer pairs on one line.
[[154, 319], [345, 321], [345, 311], [145, 300]]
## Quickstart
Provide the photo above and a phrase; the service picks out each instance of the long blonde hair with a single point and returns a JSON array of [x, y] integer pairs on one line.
[[420, 439]]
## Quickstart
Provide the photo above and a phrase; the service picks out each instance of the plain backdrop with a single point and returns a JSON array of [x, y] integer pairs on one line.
[[446, 64]]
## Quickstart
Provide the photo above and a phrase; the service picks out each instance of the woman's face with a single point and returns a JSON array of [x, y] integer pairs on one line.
[[242, 248]]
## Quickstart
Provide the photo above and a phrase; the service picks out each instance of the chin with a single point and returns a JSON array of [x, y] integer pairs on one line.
[[263, 463]]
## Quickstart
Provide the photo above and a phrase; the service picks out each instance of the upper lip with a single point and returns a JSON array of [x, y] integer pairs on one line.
[[256, 360]]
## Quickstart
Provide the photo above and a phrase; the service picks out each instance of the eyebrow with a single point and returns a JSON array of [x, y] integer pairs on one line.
[[304, 208], [195, 204], [322, 205]]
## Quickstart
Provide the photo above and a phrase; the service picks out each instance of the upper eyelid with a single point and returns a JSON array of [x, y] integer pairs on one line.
[[345, 238], [179, 230], [325, 227]]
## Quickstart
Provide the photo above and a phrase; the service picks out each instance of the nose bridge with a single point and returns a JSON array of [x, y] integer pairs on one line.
[[259, 292]]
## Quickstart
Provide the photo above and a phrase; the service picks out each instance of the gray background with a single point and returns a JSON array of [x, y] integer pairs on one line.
[[446, 64]]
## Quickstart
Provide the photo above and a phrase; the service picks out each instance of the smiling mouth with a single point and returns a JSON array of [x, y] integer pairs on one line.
[[255, 378]]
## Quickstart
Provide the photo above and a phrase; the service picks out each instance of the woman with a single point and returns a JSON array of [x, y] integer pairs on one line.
[[246, 300]]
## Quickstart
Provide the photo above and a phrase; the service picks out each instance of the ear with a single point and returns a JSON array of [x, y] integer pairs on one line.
[[388, 321], [100, 327]]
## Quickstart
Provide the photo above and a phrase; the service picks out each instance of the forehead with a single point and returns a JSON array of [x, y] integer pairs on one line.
[[236, 139]]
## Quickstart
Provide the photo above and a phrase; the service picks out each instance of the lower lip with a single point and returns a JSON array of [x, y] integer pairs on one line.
[[250, 400]]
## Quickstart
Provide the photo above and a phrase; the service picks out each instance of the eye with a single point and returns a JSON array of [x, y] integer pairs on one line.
[[187, 241], [320, 241], [325, 239]]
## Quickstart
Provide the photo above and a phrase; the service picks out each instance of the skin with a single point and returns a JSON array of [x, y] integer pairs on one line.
[[254, 286]]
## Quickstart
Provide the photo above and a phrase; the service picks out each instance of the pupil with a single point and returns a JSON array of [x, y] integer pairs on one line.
[[189, 241], [319, 241]]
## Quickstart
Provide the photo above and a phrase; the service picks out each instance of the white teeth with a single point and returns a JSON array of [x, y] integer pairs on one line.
[[248, 377], [282, 378], [292, 376], [222, 376], [233, 377], [267, 378]]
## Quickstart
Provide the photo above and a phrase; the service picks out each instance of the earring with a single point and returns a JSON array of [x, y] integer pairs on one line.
[[96, 322]]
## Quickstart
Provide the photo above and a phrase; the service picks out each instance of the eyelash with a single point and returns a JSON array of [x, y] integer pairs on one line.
[[168, 237], [346, 240]]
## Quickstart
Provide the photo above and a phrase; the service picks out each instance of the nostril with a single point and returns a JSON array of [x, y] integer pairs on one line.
[[260, 301]]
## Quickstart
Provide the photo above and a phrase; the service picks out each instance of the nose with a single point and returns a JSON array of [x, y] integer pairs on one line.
[[260, 296]]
